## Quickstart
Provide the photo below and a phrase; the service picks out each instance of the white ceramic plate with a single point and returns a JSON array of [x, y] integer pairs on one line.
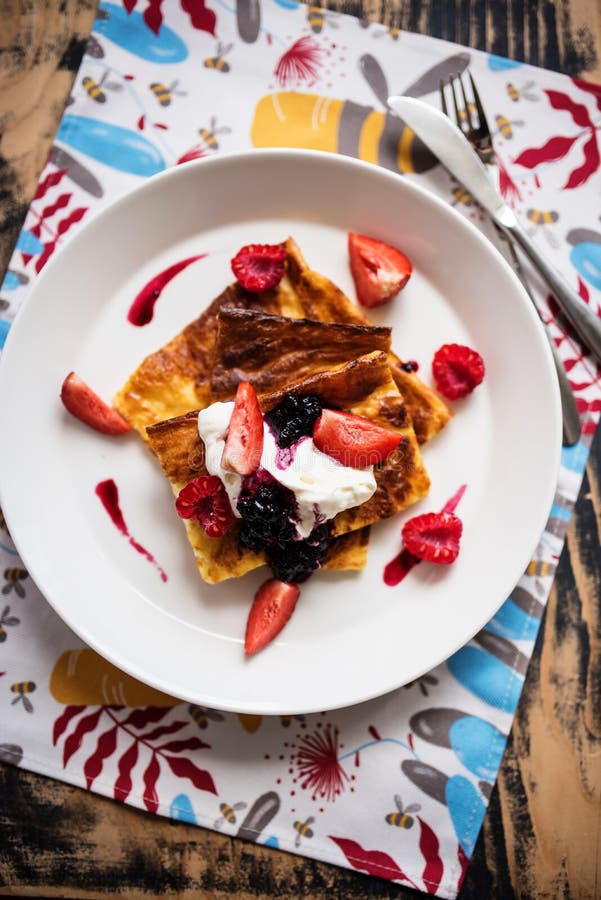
[[351, 637]]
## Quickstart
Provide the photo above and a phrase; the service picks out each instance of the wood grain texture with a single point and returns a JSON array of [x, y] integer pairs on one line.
[[542, 833]]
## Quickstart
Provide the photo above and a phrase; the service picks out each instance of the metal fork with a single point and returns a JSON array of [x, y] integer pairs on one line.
[[479, 135]]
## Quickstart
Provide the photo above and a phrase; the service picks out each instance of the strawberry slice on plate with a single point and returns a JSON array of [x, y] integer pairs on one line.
[[272, 607], [379, 270], [259, 267], [353, 440], [83, 403], [244, 442]]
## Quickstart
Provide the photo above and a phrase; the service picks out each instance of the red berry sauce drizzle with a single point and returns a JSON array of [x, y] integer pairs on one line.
[[142, 309], [108, 493], [401, 565]]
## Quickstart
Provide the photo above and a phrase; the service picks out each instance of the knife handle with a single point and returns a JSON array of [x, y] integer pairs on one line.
[[571, 419], [584, 321]]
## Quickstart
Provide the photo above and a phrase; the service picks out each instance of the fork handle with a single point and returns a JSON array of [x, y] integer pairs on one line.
[[570, 416], [584, 321]]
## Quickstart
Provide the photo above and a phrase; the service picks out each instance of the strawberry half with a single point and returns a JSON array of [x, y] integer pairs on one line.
[[457, 370], [379, 270], [244, 443], [84, 404], [259, 267], [353, 440], [205, 500], [433, 536], [272, 607]]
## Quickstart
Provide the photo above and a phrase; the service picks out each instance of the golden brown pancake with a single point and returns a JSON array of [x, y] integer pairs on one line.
[[364, 387], [176, 378]]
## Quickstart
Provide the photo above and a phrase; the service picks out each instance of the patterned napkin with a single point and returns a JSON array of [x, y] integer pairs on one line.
[[396, 787]]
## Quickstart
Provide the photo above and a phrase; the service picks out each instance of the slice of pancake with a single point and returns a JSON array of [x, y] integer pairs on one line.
[[176, 378], [363, 386], [270, 351]]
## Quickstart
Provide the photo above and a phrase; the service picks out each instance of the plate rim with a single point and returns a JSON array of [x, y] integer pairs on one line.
[[236, 157]]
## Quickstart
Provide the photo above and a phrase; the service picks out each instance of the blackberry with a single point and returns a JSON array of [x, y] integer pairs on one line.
[[293, 418], [268, 511], [295, 561]]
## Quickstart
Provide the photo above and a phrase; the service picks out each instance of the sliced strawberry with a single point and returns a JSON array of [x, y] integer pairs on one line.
[[379, 270], [259, 267], [244, 443], [205, 500], [457, 370], [353, 440], [433, 536], [84, 404], [272, 607]]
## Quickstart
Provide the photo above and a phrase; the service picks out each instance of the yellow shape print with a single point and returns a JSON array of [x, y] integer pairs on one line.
[[83, 678]]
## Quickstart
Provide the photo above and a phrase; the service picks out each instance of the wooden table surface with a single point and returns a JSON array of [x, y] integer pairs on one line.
[[542, 832]]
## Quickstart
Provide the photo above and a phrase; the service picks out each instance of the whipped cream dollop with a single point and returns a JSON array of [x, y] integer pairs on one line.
[[322, 486]]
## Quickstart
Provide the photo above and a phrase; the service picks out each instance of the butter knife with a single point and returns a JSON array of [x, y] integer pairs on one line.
[[451, 147]]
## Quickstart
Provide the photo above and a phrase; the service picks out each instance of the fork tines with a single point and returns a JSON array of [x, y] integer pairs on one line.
[[476, 132]]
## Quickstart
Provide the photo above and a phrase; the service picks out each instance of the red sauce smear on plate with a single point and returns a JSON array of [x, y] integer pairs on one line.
[[108, 493], [403, 562], [142, 309]]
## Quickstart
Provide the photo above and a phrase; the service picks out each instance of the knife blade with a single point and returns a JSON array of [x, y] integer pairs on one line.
[[448, 143]]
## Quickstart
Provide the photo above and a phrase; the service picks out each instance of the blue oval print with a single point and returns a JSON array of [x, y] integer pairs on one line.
[[112, 145], [130, 31]]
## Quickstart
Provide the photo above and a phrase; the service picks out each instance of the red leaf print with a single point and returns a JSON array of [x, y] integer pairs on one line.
[[578, 111], [570, 363], [71, 219], [374, 862], [583, 290], [59, 203], [185, 768], [201, 18], [590, 88], [162, 126], [26, 257], [428, 844], [123, 783], [591, 164], [150, 778], [51, 180], [555, 148], [193, 153], [106, 745], [130, 5], [141, 122], [161, 731], [299, 63], [45, 255], [153, 15], [142, 717], [36, 229], [83, 727], [191, 743], [63, 720], [463, 862], [507, 186]]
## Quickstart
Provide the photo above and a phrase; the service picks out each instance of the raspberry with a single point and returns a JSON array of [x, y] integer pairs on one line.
[[205, 500], [457, 370], [259, 267], [293, 418], [433, 536]]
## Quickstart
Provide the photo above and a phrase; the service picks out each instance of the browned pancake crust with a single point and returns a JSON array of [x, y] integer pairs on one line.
[[269, 350], [176, 378], [364, 387]]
